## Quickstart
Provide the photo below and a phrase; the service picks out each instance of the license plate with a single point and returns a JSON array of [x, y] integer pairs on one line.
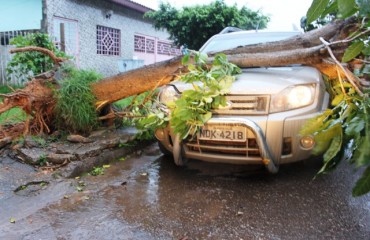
[[223, 133]]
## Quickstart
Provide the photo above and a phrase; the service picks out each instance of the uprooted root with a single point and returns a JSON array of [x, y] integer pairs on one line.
[[37, 101]]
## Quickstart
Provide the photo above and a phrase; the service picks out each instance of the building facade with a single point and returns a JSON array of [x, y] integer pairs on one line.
[[109, 36]]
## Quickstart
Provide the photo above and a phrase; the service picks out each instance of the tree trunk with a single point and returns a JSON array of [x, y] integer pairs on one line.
[[137, 81]]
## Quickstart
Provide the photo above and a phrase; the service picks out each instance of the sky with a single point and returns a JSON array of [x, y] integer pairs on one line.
[[283, 13], [20, 14]]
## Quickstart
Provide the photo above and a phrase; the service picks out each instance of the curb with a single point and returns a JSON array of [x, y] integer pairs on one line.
[[76, 168]]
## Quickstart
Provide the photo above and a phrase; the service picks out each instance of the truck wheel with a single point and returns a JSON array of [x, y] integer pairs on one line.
[[164, 149], [178, 152]]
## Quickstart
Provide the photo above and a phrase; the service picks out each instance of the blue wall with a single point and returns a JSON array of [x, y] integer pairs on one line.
[[20, 14]]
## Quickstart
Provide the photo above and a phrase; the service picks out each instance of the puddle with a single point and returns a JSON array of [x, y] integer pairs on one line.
[[148, 197]]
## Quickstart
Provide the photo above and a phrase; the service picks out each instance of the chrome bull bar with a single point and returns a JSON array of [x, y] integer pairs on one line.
[[266, 158]]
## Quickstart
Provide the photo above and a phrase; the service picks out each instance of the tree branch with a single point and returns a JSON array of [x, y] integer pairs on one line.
[[349, 77], [56, 60]]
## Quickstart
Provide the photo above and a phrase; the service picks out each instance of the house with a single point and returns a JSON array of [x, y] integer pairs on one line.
[[109, 36]]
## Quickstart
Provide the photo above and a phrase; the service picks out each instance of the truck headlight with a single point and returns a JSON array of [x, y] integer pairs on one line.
[[293, 97], [168, 94]]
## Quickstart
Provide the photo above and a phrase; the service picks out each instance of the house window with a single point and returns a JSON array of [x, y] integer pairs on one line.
[[108, 41]]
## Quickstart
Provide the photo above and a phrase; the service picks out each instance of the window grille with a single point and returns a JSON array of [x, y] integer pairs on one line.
[[108, 41], [164, 48], [139, 43], [143, 44], [150, 46]]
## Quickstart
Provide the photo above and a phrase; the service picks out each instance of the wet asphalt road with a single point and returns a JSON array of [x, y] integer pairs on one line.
[[147, 197]]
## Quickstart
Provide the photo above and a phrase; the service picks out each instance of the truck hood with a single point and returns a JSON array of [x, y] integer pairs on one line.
[[255, 81], [273, 80]]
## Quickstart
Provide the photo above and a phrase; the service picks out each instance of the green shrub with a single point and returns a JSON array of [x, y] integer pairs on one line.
[[4, 89], [25, 65], [75, 109]]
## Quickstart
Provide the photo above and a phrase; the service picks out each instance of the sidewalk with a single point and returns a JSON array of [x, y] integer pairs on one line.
[[19, 168]]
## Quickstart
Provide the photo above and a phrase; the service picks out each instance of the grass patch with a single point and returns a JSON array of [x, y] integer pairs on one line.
[[14, 115], [4, 89], [75, 107]]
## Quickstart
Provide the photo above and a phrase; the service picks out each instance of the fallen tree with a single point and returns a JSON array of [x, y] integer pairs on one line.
[[304, 49], [319, 48], [38, 101]]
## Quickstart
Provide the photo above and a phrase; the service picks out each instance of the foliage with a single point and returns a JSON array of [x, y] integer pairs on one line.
[[42, 161], [193, 26], [40, 141], [75, 109], [4, 89], [344, 131], [141, 113], [317, 23], [193, 109], [25, 65], [97, 171]]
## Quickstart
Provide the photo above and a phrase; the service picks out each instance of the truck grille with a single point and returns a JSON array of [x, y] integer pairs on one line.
[[244, 105], [249, 148]]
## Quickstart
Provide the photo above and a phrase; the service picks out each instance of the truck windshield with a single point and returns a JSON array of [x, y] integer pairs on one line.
[[232, 40]]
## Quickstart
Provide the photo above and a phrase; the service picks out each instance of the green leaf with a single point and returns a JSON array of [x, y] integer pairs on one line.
[[333, 163], [362, 153], [332, 8], [337, 99], [355, 126], [362, 185], [203, 57], [366, 51], [316, 9], [353, 51], [185, 59], [324, 137], [346, 8], [334, 153], [334, 148], [315, 124], [12, 220], [206, 117], [364, 7]]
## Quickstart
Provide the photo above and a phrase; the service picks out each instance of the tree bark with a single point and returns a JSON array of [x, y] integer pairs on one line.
[[137, 81], [334, 31]]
